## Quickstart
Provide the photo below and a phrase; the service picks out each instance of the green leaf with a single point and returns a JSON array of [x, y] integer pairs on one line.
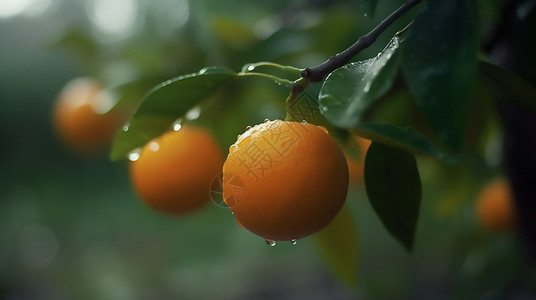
[[439, 66], [394, 190], [165, 104], [349, 91], [305, 108], [339, 244], [405, 138], [510, 87], [367, 7]]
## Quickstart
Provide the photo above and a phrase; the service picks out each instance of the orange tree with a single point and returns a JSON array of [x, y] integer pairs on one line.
[[448, 84]]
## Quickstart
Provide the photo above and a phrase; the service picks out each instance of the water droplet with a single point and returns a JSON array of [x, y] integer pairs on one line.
[[134, 155], [248, 127], [126, 126], [266, 120], [366, 15], [293, 241], [270, 242], [323, 129], [324, 108], [304, 121], [193, 113], [203, 71], [177, 125], [251, 68], [154, 146], [367, 87]]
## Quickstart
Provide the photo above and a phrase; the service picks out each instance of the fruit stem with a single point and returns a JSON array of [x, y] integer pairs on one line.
[[317, 73]]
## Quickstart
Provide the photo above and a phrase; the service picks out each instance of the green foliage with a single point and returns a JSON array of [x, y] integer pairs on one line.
[[422, 95], [394, 190], [439, 64]]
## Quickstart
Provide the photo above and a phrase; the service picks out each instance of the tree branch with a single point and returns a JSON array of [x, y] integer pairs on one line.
[[318, 73]]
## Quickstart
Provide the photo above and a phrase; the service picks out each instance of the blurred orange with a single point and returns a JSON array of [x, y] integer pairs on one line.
[[494, 206], [81, 119], [174, 172]]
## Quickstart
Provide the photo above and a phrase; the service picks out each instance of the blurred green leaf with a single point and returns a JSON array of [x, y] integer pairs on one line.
[[339, 244], [165, 104], [349, 91], [439, 65], [394, 189], [80, 43], [512, 88], [368, 7], [405, 138]]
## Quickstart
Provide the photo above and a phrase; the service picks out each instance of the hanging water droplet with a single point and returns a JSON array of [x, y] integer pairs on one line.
[[251, 68], [270, 242], [134, 155], [193, 113], [177, 125], [126, 126], [293, 241], [266, 120]]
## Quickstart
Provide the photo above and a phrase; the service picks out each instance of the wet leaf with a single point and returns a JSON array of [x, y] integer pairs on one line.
[[510, 87], [349, 91], [394, 189], [439, 66], [339, 244], [305, 108], [165, 104]]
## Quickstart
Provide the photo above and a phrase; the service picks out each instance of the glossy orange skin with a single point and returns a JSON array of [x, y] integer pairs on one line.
[[356, 168], [175, 179], [76, 122], [294, 176], [495, 208]]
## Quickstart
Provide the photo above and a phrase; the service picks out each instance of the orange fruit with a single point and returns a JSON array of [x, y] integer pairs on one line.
[[173, 172], [494, 206], [78, 120], [356, 167], [285, 180]]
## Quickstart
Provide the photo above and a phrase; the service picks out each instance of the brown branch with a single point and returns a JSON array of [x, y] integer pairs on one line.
[[316, 74]]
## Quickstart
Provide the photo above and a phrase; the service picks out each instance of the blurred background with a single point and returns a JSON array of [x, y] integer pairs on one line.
[[71, 226]]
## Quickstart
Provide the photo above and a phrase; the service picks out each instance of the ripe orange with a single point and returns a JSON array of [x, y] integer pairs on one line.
[[78, 120], [173, 172], [494, 206], [356, 168], [293, 179]]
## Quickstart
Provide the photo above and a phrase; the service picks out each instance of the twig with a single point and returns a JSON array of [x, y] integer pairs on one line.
[[318, 73]]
